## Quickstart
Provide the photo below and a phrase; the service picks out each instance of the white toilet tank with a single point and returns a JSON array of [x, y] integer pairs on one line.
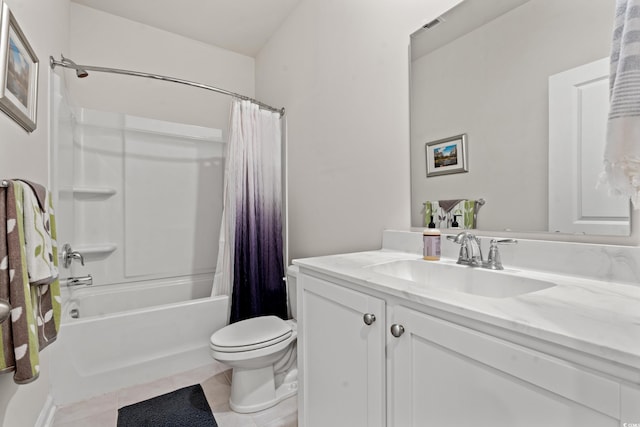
[[292, 287]]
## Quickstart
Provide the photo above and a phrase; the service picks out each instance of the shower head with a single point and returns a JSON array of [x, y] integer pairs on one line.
[[80, 72], [67, 63]]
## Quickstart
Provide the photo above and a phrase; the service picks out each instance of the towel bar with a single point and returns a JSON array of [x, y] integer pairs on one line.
[[5, 310], [4, 183]]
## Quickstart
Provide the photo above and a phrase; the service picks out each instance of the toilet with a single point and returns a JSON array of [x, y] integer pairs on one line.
[[262, 353]]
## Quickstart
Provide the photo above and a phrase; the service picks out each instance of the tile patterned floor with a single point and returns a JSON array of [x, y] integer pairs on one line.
[[102, 411]]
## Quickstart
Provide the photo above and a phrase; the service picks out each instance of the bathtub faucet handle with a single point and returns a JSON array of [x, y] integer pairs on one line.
[[69, 255], [77, 255]]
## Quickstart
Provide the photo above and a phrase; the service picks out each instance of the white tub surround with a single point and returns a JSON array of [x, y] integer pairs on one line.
[[107, 300], [567, 352], [132, 177]]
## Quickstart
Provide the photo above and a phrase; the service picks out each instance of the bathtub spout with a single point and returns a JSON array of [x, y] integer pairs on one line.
[[78, 281]]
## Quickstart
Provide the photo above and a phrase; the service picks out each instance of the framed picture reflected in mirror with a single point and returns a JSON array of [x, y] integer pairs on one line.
[[447, 155]]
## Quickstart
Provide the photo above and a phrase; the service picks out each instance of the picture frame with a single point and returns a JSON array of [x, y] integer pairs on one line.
[[18, 73], [446, 156]]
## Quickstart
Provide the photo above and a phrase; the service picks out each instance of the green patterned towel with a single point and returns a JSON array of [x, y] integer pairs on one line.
[[35, 313], [444, 210], [37, 234]]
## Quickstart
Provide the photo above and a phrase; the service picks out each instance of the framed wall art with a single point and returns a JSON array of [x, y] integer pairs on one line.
[[447, 155], [18, 73]]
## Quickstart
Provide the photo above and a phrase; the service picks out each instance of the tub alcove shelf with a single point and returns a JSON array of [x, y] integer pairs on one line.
[[97, 249], [85, 193]]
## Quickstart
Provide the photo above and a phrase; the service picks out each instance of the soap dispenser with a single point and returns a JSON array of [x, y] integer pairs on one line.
[[455, 224], [432, 224], [431, 244]]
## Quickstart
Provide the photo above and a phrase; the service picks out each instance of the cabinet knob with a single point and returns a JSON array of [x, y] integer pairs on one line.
[[397, 330], [369, 318]]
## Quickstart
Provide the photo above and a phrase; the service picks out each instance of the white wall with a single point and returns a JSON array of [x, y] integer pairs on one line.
[[45, 24], [341, 70], [102, 39]]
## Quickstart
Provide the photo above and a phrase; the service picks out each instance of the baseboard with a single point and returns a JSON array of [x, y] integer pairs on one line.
[[45, 419]]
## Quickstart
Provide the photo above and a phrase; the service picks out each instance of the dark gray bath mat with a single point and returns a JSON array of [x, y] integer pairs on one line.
[[186, 407]]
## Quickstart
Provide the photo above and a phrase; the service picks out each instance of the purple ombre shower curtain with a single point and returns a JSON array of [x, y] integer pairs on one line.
[[250, 264]]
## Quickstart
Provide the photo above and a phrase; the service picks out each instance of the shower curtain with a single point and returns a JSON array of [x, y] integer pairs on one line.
[[250, 264]]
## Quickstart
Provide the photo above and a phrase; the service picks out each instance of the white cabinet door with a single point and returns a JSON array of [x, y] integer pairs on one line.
[[441, 374], [341, 358]]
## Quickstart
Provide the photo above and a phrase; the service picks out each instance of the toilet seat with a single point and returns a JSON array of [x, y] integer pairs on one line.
[[251, 334]]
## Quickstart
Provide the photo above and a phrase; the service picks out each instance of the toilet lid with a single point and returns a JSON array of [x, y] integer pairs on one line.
[[251, 334]]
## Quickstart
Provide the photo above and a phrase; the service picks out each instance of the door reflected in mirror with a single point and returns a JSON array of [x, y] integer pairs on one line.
[[497, 71]]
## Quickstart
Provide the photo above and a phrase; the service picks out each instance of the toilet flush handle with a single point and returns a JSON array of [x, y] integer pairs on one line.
[[369, 318]]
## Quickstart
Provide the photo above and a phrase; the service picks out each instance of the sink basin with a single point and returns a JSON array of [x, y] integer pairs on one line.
[[470, 280]]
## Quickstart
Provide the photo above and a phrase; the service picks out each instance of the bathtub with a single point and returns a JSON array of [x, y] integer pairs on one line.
[[116, 336]]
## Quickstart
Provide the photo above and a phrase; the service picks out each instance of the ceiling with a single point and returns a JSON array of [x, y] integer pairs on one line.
[[242, 26], [468, 16]]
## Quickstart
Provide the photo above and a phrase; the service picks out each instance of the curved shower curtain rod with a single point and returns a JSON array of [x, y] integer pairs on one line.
[[82, 71]]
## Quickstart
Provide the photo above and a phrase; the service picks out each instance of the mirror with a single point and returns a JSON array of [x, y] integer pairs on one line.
[[507, 74]]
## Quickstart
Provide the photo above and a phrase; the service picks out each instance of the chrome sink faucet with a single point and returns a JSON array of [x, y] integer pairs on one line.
[[471, 251], [493, 259]]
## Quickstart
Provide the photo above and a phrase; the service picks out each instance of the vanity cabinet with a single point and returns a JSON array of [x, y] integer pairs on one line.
[[442, 374], [342, 356], [411, 368]]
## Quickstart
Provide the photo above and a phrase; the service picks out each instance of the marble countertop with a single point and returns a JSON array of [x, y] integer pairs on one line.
[[599, 318]]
